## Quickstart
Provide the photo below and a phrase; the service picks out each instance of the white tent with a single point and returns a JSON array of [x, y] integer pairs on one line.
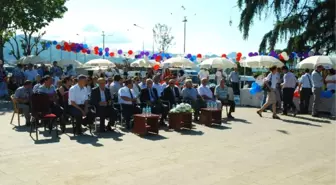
[[31, 59], [67, 62], [99, 62]]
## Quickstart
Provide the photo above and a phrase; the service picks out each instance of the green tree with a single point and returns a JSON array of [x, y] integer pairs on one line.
[[162, 37], [29, 16], [303, 24]]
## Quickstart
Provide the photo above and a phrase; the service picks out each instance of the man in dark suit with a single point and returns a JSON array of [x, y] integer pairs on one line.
[[171, 93], [150, 97], [102, 101]]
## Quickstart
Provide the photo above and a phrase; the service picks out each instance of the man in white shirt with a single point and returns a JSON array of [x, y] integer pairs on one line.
[[220, 74], [159, 88], [288, 88], [234, 80], [270, 83], [305, 88], [30, 73], [207, 95], [127, 100], [78, 101], [318, 83], [203, 73]]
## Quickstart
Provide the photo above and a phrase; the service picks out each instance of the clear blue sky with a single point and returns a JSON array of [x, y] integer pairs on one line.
[[208, 32]]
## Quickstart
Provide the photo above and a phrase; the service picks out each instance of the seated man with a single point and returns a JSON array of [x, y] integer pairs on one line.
[[206, 93], [222, 93], [48, 88], [159, 88], [150, 96], [115, 86], [22, 96], [127, 100], [171, 93], [78, 101], [102, 101], [190, 95]]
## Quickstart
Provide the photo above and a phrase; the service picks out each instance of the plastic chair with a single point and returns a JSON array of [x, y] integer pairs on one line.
[[16, 110]]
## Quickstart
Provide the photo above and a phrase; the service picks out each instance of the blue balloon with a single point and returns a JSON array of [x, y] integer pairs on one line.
[[253, 91], [54, 42], [85, 46], [107, 54], [88, 51], [47, 45], [152, 57], [100, 49], [326, 94]]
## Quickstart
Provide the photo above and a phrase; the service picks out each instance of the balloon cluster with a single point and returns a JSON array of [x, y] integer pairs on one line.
[[238, 56], [326, 94], [255, 88]]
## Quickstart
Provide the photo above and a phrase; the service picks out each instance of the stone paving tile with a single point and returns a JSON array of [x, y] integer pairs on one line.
[[247, 151]]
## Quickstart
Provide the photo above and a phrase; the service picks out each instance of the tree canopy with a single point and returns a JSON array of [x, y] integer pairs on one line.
[[29, 16], [162, 36], [303, 24]]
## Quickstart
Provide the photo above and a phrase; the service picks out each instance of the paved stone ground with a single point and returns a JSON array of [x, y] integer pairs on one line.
[[248, 151]]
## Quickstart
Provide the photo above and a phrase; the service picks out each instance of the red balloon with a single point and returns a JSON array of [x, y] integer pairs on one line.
[[239, 54], [238, 59], [156, 67], [96, 52], [158, 58], [111, 54], [96, 48], [66, 44], [130, 52], [224, 56], [83, 50], [58, 46], [199, 56], [281, 57], [72, 45], [296, 94]]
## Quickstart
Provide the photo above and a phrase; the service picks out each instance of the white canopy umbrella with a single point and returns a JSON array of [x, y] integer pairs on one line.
[[221, 63], [30, 59], [178, 62], [66, 62], [97, 68], [99, 62], [260, 62], [144, 63], [314, 61]]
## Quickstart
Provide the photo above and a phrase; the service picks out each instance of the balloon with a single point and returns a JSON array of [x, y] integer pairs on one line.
[[58, 46], [326, 94], [65, 44], [85, 46], [88, 51], [239, 54], [250, 54], [280, 57], [107, 54], [199, 56], [100, 49], [130, 52], [189, 55], [193, 58], [107, 49], [120, 51], [96, 48], [158, 58], [223, 55], [255, 53], [237, 59], [142, 53], [100, 53], [83, 50], [147, 53], [112, 54], [54, 42], [47, 45], [156, 67]]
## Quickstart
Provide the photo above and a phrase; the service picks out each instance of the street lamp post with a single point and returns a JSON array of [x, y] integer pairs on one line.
[[84, 41], [143, 39], [185, 33], [103, 34]]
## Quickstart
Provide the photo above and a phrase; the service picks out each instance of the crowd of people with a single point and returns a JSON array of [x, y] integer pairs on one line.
[[111, 98]]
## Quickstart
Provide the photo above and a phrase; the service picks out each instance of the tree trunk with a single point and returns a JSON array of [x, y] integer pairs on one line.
[[2, 47]]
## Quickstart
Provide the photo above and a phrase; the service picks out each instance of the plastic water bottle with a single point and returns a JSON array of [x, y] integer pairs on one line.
[[144, 111], [149, 110], [208, 105]]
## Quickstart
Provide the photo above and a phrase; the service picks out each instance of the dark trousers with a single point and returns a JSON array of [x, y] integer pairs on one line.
[[128, 111], [235, 88], [229, 103], [77, 114], [159, 108], [104, 112], [305, 94], [288, 94]]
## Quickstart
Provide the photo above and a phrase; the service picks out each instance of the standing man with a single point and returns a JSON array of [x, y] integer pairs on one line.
[[234, 79], [22, 96], [78, 101], [203, 73], [270, 83], [30, 73], [115, 86], [288, 88], [317, 80], [55, 70], [305, 88]]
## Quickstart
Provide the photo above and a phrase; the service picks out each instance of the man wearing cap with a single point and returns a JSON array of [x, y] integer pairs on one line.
[[288, 88], [317, 80], [22, 96]]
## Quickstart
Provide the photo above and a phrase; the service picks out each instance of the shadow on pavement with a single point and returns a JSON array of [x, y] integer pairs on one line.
[[190, 132], [228, 121], [87, 139], [283, 132], [154, 137], [219, 127], [115, 135], [300, 122], [313, 119]]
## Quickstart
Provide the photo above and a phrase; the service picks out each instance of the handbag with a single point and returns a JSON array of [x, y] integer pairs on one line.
[[267, 85]]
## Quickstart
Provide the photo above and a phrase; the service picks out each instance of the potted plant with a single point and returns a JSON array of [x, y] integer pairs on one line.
[[180, 116]]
